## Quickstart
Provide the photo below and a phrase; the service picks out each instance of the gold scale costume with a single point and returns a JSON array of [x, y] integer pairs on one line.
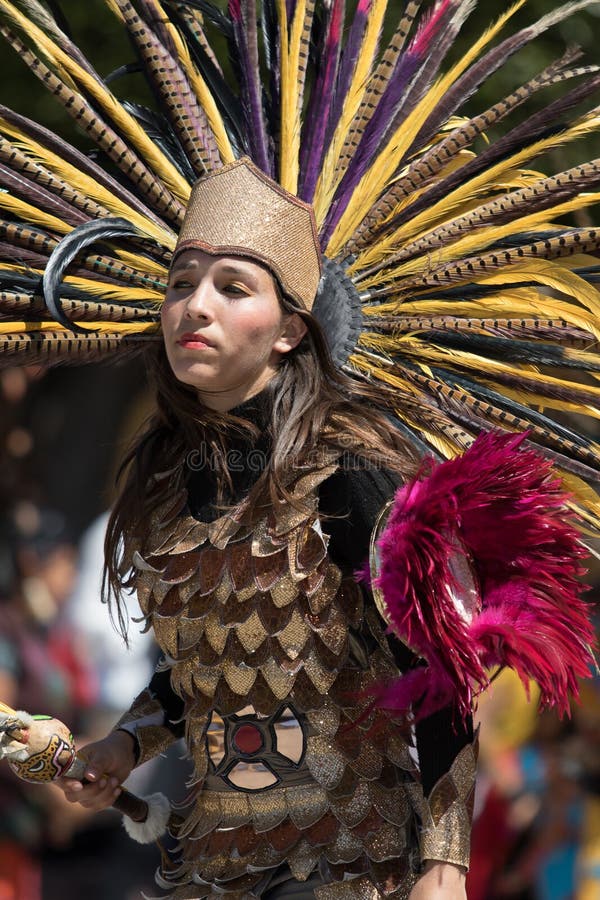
[[436, 262], [254, 618]]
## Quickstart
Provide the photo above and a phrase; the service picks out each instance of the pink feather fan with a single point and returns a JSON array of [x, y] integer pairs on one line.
[[478, 568]]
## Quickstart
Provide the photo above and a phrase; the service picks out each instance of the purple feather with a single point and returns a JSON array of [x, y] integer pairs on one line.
[[317, 115], [469, 82], [527, 131], [38, 196], [350, 55], [390, 108], [243, 17], [84, 163]]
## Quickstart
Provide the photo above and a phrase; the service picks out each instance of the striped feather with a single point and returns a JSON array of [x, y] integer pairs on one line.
[[106, 102], [425, 168], [83, 173], [206, 101], [55, 347], [356, 66], [179, 101], [318, 112], [376, 178], [244, 17], [465, 86], [517, 148], [103, 135], [501, 213]]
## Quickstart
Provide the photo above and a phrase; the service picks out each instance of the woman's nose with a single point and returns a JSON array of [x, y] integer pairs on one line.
[[200, 302]]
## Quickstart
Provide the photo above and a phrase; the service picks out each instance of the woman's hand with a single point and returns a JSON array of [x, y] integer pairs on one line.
[[440, 881], [109, 762]]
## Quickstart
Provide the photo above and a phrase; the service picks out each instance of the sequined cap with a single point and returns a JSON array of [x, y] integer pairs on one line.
[[240, 211]]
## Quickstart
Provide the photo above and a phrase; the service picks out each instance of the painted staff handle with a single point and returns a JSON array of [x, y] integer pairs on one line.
[[41, 749]]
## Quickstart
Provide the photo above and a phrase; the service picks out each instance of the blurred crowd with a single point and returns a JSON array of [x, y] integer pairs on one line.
[[537, 813]]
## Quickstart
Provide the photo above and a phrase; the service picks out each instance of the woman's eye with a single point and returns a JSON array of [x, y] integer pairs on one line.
[[180, 284], [237, 290]]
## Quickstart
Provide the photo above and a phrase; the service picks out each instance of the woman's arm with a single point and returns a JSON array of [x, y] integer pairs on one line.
[[148, 727], [440, 881]]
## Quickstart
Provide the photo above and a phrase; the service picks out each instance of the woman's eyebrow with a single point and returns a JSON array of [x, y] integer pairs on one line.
[[235, 270], [184, 266]]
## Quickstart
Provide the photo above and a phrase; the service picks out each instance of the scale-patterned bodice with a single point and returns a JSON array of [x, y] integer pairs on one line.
[[272, 652]]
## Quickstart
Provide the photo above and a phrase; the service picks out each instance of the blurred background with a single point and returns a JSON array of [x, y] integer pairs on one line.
[[62, 433]]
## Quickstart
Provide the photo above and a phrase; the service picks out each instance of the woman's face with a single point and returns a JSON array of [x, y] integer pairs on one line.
[[224, 328]]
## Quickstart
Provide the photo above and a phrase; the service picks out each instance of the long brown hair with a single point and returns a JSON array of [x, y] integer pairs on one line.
[[314, 406]]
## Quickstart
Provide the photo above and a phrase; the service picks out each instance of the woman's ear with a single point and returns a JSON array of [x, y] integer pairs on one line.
[[292, 333]]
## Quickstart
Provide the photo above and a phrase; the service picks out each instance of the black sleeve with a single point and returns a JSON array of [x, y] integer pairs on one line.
[[160, 688], [349, 503]]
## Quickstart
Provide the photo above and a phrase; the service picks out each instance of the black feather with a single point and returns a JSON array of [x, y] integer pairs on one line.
[[159, 129], [228, 104], [506, 350], [131, 68], [212, 13], [70, 246]]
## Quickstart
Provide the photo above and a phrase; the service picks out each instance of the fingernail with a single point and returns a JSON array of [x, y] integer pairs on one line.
[[114, 782], [102, 783]]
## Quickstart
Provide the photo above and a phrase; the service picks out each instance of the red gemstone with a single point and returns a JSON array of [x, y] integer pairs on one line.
[[248, 739]]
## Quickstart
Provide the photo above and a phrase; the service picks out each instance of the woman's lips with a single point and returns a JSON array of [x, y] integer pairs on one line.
[[194, 342]]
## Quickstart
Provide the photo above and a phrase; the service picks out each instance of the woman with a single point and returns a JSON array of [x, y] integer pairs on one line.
[[250, 503]]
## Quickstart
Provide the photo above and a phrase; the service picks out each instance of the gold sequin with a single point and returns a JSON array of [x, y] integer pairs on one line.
[[268, 809], [294, 636], [280, 682], [165, 629], [254, 613], [326, 763], [303, 860], [285, 591], [239, 678], [251, 633], [216, 633], [306, 805]]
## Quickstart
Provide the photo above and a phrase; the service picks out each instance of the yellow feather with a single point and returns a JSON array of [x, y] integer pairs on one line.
[[426, 353], [142, 263], [425, 426], [475, 241], [552, 276], [330, 176], [384, 167], [199, 86], [530, 398], [586, 495], [114, 8], [131, 129], [98, 327], [123, 293], [290, 106], [509, 303], [87, 185], [288, 98], [33, 216], [488, 182]]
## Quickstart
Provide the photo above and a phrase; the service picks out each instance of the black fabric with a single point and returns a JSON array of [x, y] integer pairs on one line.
[[349, 502]]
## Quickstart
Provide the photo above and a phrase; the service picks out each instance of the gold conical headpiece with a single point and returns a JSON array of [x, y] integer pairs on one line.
[[240, 211]]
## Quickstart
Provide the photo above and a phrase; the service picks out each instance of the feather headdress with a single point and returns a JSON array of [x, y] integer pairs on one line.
[[448, 276]]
